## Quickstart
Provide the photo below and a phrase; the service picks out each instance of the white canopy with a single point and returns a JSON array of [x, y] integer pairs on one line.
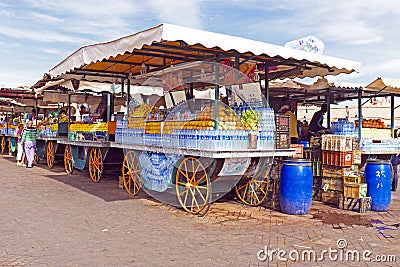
[[124, 56]]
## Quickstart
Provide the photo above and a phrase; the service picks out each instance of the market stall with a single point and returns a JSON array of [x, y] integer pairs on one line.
[[194, 152], [86, 133], [340, 159]]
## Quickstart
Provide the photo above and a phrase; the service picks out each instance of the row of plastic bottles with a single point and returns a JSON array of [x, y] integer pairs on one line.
[[11, 131], [391, 145], [343, 127], [199, 139], [48, 133], [122, 124], [129, 135], [156, 170]]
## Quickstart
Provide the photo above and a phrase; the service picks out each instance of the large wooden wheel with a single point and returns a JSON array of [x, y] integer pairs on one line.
[[131, 173], [3, 144], [252, 191], [192, 185], [95, 164], [68, 162], [50, 154]]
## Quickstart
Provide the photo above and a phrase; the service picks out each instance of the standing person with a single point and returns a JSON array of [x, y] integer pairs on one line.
[[20, 148], [29, 140], [317, 120], [294, 135]]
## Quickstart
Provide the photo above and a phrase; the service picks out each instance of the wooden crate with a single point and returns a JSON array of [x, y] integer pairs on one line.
[[332, 184], [335, 171], [331, 197], [353, 178], [355, 204], [355, 190], [299, 150]]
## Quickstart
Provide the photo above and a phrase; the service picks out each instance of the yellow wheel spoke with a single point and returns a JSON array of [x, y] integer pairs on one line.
[[194, 198], [255, 195], [201, 187], [241, 187], [245, 190], [201, 195], [201, 179], [179, 170], [187, 193], [187, 174]]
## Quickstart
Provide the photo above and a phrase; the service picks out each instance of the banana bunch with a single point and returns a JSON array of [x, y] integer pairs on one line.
[[250, 119]]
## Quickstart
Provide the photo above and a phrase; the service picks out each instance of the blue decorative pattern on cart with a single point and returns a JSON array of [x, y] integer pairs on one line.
[[156, 169]]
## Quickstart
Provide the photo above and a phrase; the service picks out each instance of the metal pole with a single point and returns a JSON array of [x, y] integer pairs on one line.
[[122, 87], [392, 114], [266, 81], [24, 116], [69, 104], [216, 106], [128, 96], [108, 107], [359, 113], [36, 112], [328, 104]]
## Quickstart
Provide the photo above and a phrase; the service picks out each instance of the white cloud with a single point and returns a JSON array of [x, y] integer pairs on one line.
[[53, 51], [41, 36], [185, 13], [7, 13], [389, 67], [46, 18]]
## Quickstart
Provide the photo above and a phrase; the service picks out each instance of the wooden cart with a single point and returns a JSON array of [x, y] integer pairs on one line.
[[199, 177], [50, 149], [94, 156]]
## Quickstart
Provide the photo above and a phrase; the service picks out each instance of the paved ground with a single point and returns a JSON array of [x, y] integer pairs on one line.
[[49, 218]]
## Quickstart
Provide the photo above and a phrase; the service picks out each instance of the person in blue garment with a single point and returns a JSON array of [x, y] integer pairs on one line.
[[317, 120]]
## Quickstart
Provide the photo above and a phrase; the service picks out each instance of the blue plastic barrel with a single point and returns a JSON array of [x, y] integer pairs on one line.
[[378, 176], [295, 190]]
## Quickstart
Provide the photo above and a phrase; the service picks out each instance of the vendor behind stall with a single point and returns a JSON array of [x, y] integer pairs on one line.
[[317, 120]]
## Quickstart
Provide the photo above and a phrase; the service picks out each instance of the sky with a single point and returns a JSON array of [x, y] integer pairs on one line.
[[35, 35]]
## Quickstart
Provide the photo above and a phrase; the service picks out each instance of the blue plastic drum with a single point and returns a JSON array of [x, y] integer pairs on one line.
[[295, 190], [378, 176]]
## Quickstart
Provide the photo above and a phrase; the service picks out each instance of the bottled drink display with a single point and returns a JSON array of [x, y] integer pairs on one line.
[[343, 127], [156, 169]]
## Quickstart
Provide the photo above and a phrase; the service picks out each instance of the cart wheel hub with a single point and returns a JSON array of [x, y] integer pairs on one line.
[[189, 185]]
